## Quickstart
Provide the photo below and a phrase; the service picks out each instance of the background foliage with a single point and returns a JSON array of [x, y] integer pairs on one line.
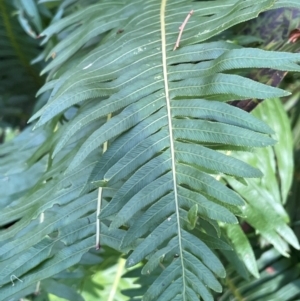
[[111, 91]]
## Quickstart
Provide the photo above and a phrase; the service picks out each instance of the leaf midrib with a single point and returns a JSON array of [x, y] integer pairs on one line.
[[172, 151]]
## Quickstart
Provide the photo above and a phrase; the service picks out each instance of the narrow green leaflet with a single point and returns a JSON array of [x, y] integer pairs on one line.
[[138, 107], [192, 216], [242, 247]]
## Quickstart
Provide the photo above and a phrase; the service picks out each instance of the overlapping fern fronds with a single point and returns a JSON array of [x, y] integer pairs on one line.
[[279, 280], [168, 131]]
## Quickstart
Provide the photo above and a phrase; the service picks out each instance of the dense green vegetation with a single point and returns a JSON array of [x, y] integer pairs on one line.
[[161, 156]]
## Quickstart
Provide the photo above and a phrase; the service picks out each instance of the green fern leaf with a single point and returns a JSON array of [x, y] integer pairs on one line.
[[166, 137]]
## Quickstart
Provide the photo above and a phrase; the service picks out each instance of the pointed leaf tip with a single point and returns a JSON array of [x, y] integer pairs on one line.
[[34, 117]]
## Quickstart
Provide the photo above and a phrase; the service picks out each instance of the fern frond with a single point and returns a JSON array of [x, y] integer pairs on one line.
[[169, 127], [266, 197]]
